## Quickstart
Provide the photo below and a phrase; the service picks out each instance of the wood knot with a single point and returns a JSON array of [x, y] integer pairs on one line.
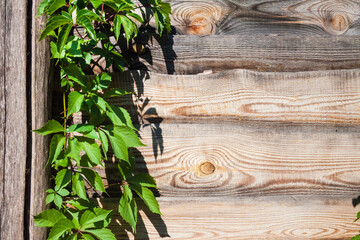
[[339, 23], [200, 26], [207, 168]]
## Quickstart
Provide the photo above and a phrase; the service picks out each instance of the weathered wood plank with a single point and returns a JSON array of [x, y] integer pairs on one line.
[[247, 159], [40, 73], [179, 54], [303, 97], [15, 128], [244, 218], [279, 17], [2, 108]]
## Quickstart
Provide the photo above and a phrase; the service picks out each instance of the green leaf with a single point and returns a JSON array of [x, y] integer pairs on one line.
[[102, 81], [55, 6], [104, 142], [143, 179], [53, 23], [129, 27], [79, 186], [86, 218], [148, 197], [63, 192], [42, 7], [82, 204], [86, 23], [128, 135], [99, 102], [94, 179], [60, 228], [56, 145], [118, 145], [91, 134], [119, 116], [72, 237], [87, 237], [75, 101], [63, 178], [135, 16], [48, 218], [115, 92], [101, 217], [73, 150], [89, 15], [357, 237], [91, 148], [76, 74], [81, 128], [63, 37], [128, 208], [96, 3], [117, 26], [50, 127], [50, 198], [102, 234], [58, 200]]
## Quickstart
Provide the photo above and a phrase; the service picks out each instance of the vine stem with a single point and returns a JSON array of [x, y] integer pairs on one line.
[[65, 118]]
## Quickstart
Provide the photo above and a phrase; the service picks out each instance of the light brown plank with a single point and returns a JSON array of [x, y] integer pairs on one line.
[[14, 155], [178, 54], [245, 218], [247, 159], [40, 73], [304, 97], [280, 17]]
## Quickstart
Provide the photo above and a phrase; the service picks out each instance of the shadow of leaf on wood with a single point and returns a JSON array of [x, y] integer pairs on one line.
[[122, 230]]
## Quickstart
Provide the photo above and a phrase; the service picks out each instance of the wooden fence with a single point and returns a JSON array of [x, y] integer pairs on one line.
[[250, 114]]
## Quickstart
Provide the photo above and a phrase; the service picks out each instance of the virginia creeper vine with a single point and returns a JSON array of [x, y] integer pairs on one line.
[[79, 30]]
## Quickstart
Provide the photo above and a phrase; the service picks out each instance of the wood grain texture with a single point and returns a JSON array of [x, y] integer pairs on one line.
[[15, 128], [2, 108], [178, 54], [254, 159], [244, 218], [40, 103], [279, 17], [303, 97]]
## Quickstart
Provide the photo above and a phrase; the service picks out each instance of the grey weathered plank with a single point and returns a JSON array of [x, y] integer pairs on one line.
[[40, 103], [302, 97], [247, 159], [180, 54], [15, 125], [244, 218], [279, 17], [2, 108]]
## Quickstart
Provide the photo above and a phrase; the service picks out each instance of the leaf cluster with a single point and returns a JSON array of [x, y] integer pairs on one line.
[[80, 29]]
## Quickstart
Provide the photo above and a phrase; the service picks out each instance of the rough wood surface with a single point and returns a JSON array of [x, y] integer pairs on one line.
[[179, 54], [248, 159], [40, 73], [292, 218], [303, 97], [2, 109], [13, 101], [279, 17]]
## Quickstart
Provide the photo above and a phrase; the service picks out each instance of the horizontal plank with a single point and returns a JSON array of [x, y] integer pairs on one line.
[[245, 218], [247, 159], [279, 17], [180, 54], [303, 97]]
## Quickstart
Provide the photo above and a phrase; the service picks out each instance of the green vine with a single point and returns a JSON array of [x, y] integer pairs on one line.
[[80, 30]]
